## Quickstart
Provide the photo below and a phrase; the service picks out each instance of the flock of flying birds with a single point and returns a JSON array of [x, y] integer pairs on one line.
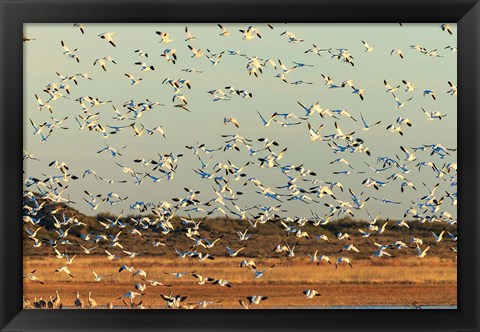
[[295, 182]]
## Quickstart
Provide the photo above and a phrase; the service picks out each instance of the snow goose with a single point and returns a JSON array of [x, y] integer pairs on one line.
[[225, 32], [165, 37], [368, 48], [343, 260], [311, 293], [108, 36], [188, 35]]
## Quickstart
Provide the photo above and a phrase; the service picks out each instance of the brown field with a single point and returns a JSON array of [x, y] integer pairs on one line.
[[399, 281]]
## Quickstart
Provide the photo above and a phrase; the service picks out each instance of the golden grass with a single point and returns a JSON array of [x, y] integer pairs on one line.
[[287, 270], [430, 280]]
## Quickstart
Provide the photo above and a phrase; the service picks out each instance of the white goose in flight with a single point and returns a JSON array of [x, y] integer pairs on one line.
[[453, 89], [446, 27], [144, 66], [313, 258], [64, 269], [311, 293], [433, 115], [165, 37], [231, 120], [108, 36], [400, 104], [103, 62], [202, 280], [366, 126], [438, 237], [256, 299], [343, 260], [265, 122], [99, 277], [133, 80], [69, 53], [422, 253], [409, 86], [248, 263], [130, 295], [32, 277], [222, 283], [430, 93], [259, 274], [141, 53], [225, 32], [397, 52], [381, 253], [233, 253], [389, 87], [349, 247], [358, 92], [42, 105], [368, 48], [195, 53], [250, 33], [188, 35], [178, 274], [81, 26]]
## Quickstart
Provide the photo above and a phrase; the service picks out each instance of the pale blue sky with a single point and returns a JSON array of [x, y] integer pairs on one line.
[[43, 57]]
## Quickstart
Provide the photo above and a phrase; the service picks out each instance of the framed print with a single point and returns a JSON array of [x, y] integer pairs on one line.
[[188, 160]]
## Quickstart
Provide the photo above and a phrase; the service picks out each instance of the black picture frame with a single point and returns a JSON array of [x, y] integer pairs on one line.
[[13, 13]]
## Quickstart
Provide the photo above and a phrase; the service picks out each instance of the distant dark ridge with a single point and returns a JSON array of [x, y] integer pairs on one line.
[[265, 236]]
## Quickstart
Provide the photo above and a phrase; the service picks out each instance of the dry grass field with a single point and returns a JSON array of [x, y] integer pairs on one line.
[[427, 281], [399, 280]]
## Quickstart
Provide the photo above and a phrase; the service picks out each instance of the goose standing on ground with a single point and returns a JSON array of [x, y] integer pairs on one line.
[[91, 302], [56, 300], [78, 301]]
